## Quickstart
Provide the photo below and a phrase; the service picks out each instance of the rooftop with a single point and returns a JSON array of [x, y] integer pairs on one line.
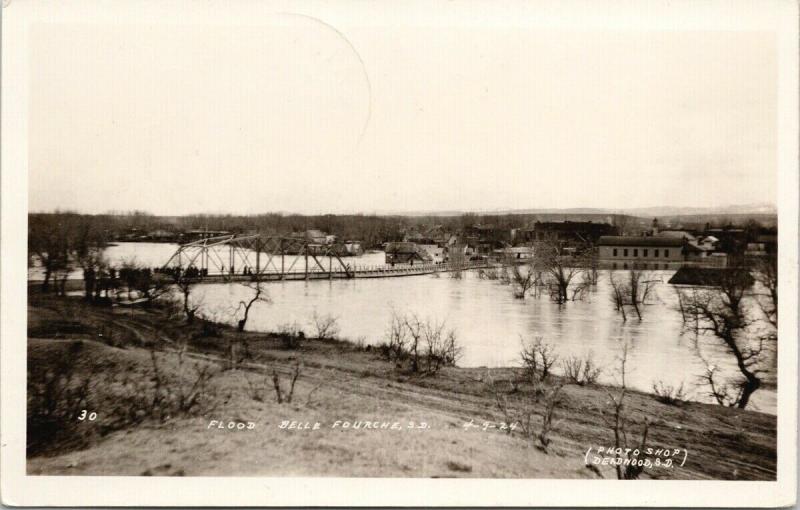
[[678, 234], [667, 242], [709, 276]]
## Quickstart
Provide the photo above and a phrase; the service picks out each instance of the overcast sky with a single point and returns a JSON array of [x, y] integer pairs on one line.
[[309, 115]]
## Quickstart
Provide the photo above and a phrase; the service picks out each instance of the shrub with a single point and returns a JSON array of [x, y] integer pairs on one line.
[[552, 399], [360, 343], [428, 345], [581, 371], [522, 415], [122, 395], [282, 395], [395, 347], [669, 395], [56, 394], [326, 326], [156, 394], [538, 357], [257, 386], [459, 467], [625, 454], [291, 335], [209, 329]]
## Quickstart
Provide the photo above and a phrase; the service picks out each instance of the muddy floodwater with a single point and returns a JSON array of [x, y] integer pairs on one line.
[[490, 323]]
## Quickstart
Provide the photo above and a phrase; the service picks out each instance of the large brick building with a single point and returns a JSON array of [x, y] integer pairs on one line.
[[650, 249]]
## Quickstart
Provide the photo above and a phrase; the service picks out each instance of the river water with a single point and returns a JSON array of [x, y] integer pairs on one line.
[[490, 323]]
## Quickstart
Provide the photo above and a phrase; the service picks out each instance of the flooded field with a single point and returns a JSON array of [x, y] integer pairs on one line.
[[490, 323]]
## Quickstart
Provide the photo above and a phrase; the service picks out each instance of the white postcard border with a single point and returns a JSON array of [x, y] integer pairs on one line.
[[19, 489]]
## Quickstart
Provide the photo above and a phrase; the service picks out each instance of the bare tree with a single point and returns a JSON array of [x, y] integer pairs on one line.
[[622, 223], [58, 241], [552, 399], [538, 358], [766, 273], [720, 311], [523, 280], [618, 295], [282, 395], [522, 414], [634, 292], [327, 326], [50, 248], [628, 465], [259, 295], [142, 280], [395, 347], [639, 290], [93, 263], [190, 307], [429, 345], [441, 346], [560, 268], [415, 328], [581, 371], [503, 275], [592, 258], [681, 306]]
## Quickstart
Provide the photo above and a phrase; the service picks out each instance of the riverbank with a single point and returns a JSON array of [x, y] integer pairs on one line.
[[350, 412]]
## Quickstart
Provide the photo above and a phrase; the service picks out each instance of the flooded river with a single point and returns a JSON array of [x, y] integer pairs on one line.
[[490, 323]]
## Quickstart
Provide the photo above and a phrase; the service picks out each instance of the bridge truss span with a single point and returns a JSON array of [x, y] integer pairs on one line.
[[249, 256], [240, 257]]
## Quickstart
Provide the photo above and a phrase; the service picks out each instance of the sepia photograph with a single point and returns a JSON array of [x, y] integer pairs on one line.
[[509, 241]]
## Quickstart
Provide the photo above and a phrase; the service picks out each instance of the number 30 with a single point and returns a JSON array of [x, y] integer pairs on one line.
[[84, 414]]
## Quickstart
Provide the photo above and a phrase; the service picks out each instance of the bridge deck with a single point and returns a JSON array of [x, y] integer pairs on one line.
[[357, 272]]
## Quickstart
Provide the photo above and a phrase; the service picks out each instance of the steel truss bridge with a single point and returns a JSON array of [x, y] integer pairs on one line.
[[237, 257]]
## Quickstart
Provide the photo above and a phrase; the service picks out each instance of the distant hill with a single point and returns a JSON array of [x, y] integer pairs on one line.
[[754, 209], [643, 212]]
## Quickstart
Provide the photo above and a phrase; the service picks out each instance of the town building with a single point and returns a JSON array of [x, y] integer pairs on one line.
[[405, 253], [484, 239], [436, 234], [659, 251], [708, 242], [316, 236], [640, 251], [515, 253], [731, 240], [436, 251], [353, 248], [676, 234], [704, 254], [570, 233], [763, 245], [769, 242], [197, 234], [162, 235]]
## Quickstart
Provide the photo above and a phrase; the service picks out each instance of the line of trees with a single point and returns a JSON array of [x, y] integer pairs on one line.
[[63, 242]]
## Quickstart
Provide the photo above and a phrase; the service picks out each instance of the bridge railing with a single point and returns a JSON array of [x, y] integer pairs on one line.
[[368, 269]]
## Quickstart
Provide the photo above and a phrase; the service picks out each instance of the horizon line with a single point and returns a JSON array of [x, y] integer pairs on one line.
[[629, 211]]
